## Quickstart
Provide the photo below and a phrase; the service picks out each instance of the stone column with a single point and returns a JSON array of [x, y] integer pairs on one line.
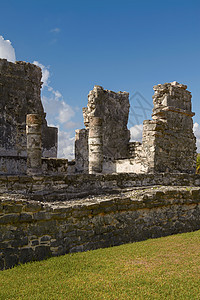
[[34, 144], [95, 145]]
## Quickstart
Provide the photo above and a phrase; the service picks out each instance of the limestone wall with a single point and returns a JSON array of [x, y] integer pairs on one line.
[[52, 166], [113, 109], [20, 85], [175, 143], [168, 141], [81, 150], [12, 165], [31, 230], [65, 187]]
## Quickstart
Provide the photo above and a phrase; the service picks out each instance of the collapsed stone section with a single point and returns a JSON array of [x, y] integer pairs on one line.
[[20, 85], [113, 109]]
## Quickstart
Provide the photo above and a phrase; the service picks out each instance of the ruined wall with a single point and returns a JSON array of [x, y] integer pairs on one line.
[[17, 165], [31, 230], [54, 166], [81, 150], [175, 143], [20, 85], [168, 142], [62, 187], [113, 109], [13, 165]]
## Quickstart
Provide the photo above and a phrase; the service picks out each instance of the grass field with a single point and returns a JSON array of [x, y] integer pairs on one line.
[[164, 268]]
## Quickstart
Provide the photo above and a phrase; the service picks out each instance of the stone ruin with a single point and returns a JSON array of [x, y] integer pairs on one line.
[[105, 118], [20, 85], [111, 194], [168, 143]]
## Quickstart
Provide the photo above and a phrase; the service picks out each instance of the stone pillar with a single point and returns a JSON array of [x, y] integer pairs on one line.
[[95, 145], [34, 144]]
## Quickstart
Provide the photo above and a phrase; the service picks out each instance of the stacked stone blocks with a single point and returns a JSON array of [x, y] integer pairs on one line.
[[30, 230], [34, 144], [168, 140], [113, 109], [95, 143], [168, 143]]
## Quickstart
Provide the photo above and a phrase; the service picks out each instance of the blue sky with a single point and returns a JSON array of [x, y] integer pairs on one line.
[[121, 45]]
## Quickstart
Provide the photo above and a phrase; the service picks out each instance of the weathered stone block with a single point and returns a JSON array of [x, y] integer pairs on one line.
[[9, 219], [11, 258], [26, 255], [19, 241], [25, 217], [42, 252]]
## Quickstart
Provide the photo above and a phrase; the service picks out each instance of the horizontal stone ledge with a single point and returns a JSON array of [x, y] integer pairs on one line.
[[173, 109]]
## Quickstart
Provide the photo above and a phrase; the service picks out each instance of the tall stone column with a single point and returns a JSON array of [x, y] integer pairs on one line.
[[95, 145], [34, 144]]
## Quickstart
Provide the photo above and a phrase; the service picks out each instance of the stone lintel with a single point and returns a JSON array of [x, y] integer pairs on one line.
[[158, 111]]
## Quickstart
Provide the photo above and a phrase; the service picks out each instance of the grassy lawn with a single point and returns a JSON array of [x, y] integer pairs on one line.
[[165, 268]]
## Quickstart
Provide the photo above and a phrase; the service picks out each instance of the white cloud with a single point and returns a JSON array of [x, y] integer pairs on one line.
[[6, 50], [136, 133], [57, 110], [196, 129], [59, 113], [45, 73], [55, 106], [65, 145], [71, 124]]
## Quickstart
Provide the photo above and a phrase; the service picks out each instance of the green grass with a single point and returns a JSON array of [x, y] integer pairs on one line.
[[165, 268]]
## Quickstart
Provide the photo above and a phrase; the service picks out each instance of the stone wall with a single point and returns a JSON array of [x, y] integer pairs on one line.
[[63, 187], [20, 85], [32, 230], [168, 143], [168, 140], [12, 165], [81, 150], [113, 109], [52, 166]]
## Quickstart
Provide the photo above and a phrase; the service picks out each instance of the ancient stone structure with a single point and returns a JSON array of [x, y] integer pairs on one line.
[[35, 230], [113, 109], [95, 145], [20, 85], [168, 143], [111, 194], [34, 144]]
